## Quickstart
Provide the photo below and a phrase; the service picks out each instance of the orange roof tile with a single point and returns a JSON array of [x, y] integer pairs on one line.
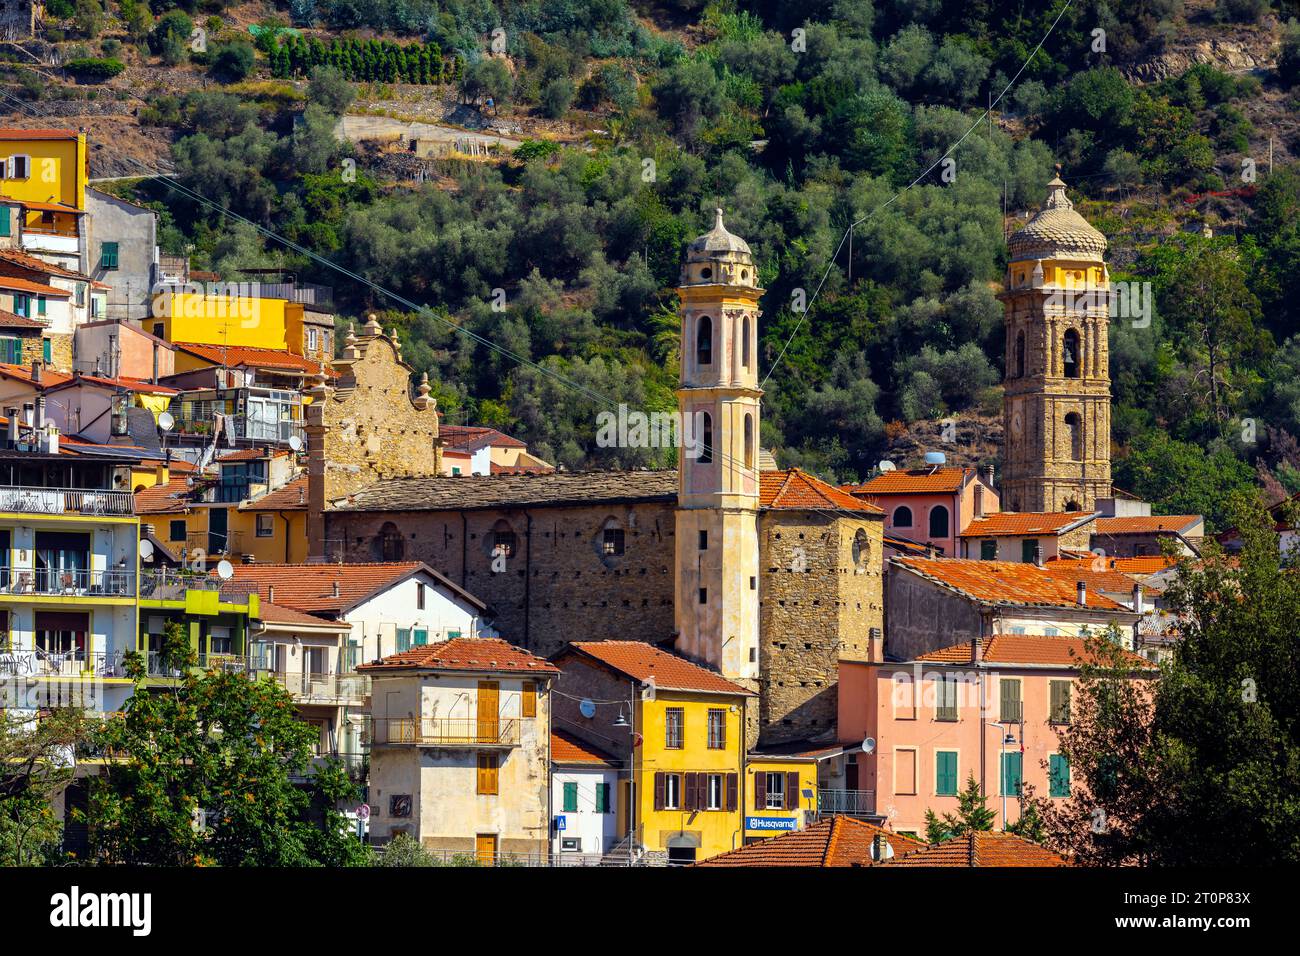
[[839, 841], [37, 133], [489, 654], [1005, 582], [23, 373], [169, 498], [644, 662], [795, 489], [13, 283], [1092, 572], [311, 587], [914, 481], [981, 849], [276, 614], [51, 207], [23, 261], [10, 321], [1147, 524], [473, 437], [291, 497], [1032, 649], [1011, 523], [236, 355], [127, 384], [567, 749]]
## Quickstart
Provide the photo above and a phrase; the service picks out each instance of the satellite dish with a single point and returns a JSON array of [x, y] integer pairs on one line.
[[935, 458], [146, 550], [887, 466], [869, 745], [166, 422], [225, 570], [587, 708], [295, 443]]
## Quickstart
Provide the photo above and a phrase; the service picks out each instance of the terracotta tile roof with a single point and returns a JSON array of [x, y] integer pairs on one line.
[[37, 133], [10, 321], [15, 284], [24, 261], [915, 481], [795, 489], [1142, 565], [245, 454], [1005, 582], [128, 384], [1147, 524], [905, 546], [469, 438], [644, 662], [839, 841], [1035, 649], [236, 355], [276, 614], [981, 849], [469, 492], [489, 654], [1012, 523], [23, 373], [290, 497], [568, 749], [169, 498], [310, 587], [1105, 579]]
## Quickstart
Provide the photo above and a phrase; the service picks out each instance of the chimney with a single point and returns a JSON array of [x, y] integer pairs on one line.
[[988, 476], [880, 847], [1081, 592], [36, 372], [336, 587], [11, 413], [39, 422], [270, 594], [875, 646], [1038, 554], [979, 501], [162, 474], [1137, 598], [29, 414]]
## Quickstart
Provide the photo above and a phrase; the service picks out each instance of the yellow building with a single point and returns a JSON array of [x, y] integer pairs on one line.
[[45, 166], [227, 320], [783, 793], [678, 731]]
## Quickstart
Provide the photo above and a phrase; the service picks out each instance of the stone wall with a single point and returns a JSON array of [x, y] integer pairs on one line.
[[925, 617], [818, 605], [60, 352], [557, 585]]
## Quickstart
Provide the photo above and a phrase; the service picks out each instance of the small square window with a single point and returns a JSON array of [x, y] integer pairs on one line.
[[704, 541], [704, 595], [612, 544], [265, 525], [177, 531]]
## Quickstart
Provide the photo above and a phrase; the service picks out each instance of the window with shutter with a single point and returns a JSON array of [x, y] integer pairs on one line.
[[713, 798], [946, 698], [602, 798], [775, 791], [1010, 709], [1058, 776], [660, 786], [403, 639], [1060, 701], [733, 791], [571, 797], [1011, 779], [760, 791], [1028, 550], [487, 774], [108, 255], [672, 791], [792, 790], [945, 773], [6, 219], [528, 707], [988, 550], [691, 793]]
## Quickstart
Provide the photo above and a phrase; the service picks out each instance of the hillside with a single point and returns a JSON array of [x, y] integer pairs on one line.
[[563, 153]]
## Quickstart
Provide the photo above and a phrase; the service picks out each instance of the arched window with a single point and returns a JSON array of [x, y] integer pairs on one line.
[[1075, 429], [704, 341], [744, 343], [938, 522], [1071, 360], [612, 539], [502, 540], [903, 517], [1073, 506], [706, 439], [390, 544], [749, 440], [1020, 355], [861, 549]]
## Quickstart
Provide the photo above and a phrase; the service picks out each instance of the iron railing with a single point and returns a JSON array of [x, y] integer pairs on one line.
[[28, 499], [446, 731], [74, 582], [323, 687], [38, 662], [168, 584], [475, 858], [156, 664], [848, 802]]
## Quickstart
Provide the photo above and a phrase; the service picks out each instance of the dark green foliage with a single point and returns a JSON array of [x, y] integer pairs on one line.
[[233, 61], [94, 69]]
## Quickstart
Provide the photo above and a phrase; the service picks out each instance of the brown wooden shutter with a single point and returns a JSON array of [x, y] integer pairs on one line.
[[733, 786], [792, 790], [688, 798], [529, 703], [659, 791], [760, 790]]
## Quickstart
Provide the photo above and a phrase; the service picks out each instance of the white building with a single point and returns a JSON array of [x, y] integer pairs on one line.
[[583, 787]]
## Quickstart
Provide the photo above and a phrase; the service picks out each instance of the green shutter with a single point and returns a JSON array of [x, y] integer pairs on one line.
[[1010, 700], [602, 798], [1058, 776], [570, 798], [47, 350], [11, 351], [1028, 548], [421, 636], [108, 255], [1011, 774], [403, 639], [945, 766], [988, 550], [5, 228], [40, 305]]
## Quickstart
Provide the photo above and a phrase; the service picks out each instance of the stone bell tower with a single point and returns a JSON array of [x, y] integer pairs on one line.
[[716, 585], [1056, 397]]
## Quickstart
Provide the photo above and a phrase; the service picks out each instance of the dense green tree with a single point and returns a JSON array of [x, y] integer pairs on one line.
[[36, 764], [1182, 478], [973, 815]]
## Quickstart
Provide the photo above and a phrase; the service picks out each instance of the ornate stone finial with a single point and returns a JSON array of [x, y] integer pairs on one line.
[[422, 399], [351, 337], [717, 218], [319, 384], [372, 326]]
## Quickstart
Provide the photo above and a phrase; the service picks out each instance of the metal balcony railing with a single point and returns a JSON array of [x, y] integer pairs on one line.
[[214, 542], [848, 802], [446, 731], [322, 687], [167, 584], [156, 665], [78, 582], [39, 662], [65, 501]]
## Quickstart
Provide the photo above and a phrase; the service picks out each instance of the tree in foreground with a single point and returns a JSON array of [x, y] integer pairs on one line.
[[201, 775], [973, 815], [36, 765]]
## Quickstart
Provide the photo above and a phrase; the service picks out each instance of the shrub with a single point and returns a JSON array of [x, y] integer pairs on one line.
[[233, 61], [95, 69]]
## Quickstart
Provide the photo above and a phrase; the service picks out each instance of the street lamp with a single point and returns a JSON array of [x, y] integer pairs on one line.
[[1007, 738]]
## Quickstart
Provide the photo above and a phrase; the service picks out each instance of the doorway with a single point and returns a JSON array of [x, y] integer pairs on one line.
[[485, 849], [218, 530]]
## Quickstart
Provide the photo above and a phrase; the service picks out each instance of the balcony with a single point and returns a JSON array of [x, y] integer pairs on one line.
[[166, 584], [65, 501], [323, 688], [446, 732], [853, 803], [78, 582], [35, 662], [155, 666]]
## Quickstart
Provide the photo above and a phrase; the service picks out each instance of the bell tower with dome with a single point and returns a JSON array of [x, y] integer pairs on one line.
[[1056, 394], [716, 585]]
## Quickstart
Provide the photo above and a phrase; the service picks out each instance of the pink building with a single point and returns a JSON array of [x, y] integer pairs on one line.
[[990, 707], [930, 506]]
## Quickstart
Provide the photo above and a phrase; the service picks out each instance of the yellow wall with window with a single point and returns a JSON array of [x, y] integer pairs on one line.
[[286, 544], [221, 320], [658, 823], [57, 173], [760, 800]]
